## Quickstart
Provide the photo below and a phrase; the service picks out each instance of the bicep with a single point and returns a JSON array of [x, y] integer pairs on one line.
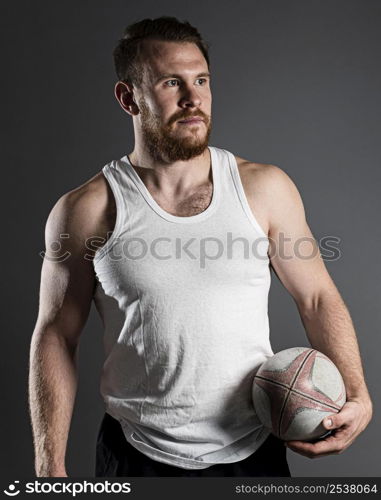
[[294, 253], [67, 278]]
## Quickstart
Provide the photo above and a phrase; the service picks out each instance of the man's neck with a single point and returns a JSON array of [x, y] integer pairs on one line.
[[172, 179]]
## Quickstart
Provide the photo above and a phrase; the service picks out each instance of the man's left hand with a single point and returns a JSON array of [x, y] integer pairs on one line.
[[345, 425]]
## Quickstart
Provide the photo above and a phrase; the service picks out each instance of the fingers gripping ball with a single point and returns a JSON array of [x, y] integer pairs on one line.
[[294, 390]]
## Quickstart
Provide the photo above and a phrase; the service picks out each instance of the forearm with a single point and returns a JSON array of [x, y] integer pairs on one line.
[[52, 389], [330, 330]]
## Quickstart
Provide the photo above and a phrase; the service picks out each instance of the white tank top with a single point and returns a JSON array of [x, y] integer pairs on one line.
[[183, 302]]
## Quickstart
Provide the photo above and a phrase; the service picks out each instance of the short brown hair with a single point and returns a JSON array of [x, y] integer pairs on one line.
[[127, 53]]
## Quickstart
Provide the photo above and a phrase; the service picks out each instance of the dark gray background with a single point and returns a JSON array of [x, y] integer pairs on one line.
[[295, 83]]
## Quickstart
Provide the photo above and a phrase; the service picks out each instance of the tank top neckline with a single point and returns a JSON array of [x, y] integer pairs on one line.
[[163, 213]]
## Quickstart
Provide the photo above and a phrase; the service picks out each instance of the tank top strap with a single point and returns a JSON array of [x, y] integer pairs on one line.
[[127, 200], [233, 191]]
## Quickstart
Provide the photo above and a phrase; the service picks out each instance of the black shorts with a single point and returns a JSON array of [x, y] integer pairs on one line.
[[116, 457]]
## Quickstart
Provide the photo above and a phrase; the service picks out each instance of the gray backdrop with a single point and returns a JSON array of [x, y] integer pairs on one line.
[[295, 83]]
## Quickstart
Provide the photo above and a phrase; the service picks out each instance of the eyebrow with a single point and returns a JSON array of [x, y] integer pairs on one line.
[[174, 75]]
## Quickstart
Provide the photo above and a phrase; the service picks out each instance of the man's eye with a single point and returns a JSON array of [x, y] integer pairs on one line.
[[169, 82]]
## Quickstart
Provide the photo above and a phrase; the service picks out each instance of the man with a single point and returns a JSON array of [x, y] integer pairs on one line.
[[185, 235]]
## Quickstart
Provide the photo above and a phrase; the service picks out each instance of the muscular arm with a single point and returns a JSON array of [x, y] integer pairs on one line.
[[296, 259], [66, 291]]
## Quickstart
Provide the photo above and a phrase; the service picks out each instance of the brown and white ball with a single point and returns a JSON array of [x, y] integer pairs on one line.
[[294, 390]]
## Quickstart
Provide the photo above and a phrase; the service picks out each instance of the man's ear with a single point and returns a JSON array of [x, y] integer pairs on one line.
[[124, 95]]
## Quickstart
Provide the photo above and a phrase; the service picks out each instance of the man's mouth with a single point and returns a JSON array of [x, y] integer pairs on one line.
[[193, 119]]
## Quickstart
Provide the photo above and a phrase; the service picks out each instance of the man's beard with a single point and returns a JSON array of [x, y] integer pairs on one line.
[[165, 147]]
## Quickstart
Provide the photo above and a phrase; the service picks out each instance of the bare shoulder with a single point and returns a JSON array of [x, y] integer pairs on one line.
[[83, 212], [268, 188], [264, 174]]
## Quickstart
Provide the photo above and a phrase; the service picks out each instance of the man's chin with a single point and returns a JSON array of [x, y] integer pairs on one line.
[[184, 150], [173, 145], [190, 140], [191, 143]]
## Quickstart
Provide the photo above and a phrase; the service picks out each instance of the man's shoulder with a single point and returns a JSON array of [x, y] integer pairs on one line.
[[269, 190], [260, 176], [86, 198], [85, 210]]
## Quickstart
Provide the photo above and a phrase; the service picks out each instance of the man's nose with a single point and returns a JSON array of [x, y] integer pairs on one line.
[[190, 97]]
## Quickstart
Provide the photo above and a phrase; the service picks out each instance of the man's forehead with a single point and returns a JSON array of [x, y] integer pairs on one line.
[[161, 57]]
